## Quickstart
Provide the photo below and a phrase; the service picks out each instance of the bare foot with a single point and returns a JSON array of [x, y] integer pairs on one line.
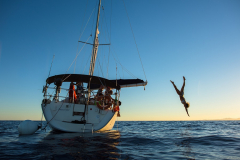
[[171, 81], [184, 78]]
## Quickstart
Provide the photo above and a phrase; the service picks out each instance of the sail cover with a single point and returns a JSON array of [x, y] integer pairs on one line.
[[95, 81]]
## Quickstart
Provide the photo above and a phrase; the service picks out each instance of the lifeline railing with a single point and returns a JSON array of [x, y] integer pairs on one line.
[[81, 99], [83, 95]]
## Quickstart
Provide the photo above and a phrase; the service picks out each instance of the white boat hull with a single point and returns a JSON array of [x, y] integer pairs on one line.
[[68, 117]]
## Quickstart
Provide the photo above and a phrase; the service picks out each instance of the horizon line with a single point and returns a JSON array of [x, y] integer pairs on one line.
[[224, 119]]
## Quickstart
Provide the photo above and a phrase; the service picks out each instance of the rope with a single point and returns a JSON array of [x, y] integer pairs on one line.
[[67, 77], [134, 39]]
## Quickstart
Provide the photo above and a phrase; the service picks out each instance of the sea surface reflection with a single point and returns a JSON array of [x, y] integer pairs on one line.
[[100, 145]]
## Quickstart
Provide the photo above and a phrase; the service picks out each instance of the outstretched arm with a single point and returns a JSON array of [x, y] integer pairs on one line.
[[187, 111], [182, 89], [178, 92]]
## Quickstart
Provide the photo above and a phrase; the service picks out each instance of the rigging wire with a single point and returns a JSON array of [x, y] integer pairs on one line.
[[135, 40], [78, 53], [97, 70], [81, 33], [87, 62], [48, 85], [106, 26], [94, 19], [106, 37], [101, 49], [110, 38], [51, 65], [103, 58], [75, 59], [83, 54], [119, 74], [118, 61], [100, 67], [45, 108], [50, 69], [104, 21], [87, 21], [84, 29]]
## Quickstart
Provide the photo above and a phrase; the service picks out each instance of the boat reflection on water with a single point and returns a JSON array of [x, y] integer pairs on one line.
[[97, 145]]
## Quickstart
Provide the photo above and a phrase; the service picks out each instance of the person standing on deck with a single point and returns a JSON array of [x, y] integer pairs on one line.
[[72, 93], [181, 95]]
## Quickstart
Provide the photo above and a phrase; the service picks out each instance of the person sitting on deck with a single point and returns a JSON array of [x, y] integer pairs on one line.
[[108, 91], [181, 95], [72, 93], [99, 93], [79, 89]]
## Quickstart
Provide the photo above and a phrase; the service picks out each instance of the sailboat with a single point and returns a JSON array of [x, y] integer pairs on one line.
[[84, 109]]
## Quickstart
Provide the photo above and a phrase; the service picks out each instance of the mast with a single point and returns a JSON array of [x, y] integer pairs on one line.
[[95, 44]]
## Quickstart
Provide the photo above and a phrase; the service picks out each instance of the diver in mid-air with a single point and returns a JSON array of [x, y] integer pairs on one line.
[[181, 95]]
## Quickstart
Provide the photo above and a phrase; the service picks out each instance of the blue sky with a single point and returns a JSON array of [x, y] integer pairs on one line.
[[196, 39]]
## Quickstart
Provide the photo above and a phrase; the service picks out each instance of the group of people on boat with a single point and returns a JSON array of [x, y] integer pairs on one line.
[[75, 94], [106, 98]]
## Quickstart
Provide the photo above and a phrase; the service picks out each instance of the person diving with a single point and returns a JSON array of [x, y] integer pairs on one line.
[[181, 95]]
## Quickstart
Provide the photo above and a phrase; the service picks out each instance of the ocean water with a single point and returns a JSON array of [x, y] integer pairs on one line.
[[127, 140]]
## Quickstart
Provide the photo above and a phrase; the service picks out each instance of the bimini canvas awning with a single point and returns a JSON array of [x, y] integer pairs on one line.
[[96, 82]]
